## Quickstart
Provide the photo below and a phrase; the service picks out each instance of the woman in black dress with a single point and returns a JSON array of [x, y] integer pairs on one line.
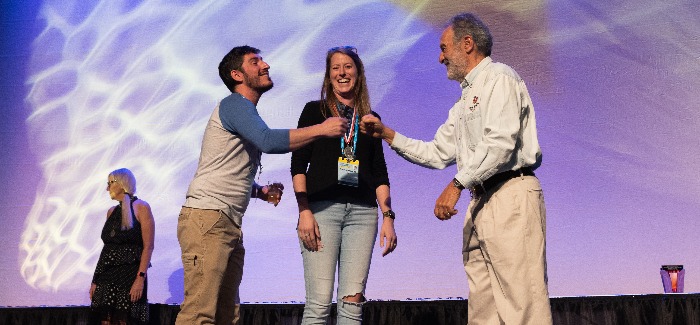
[[119, 286]]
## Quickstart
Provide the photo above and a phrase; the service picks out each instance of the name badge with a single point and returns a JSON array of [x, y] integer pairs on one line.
[[348, 172]]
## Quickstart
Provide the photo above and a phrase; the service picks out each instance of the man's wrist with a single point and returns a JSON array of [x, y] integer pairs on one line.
[[319, 131], [456, 183], [388, 135]]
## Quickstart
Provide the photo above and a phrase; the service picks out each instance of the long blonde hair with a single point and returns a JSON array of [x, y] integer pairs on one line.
[[126, 179], [361, 94]]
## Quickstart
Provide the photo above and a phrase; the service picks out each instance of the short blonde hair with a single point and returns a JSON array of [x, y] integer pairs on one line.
[[125, 178]]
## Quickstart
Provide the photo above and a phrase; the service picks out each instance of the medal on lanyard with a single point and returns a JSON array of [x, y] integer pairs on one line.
[[347, 152], [348, 165], [351, 137]]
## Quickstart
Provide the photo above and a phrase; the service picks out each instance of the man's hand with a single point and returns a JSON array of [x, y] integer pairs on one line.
[[272, 193], [334, 127], [373, 126], [445, 204]]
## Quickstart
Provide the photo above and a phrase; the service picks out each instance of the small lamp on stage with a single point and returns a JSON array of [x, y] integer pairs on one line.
[[672, 278]]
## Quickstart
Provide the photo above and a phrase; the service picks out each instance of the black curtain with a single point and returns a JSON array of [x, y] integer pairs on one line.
[[671, 309]]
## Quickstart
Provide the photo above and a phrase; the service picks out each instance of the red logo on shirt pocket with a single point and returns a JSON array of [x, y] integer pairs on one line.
[[475, 104]]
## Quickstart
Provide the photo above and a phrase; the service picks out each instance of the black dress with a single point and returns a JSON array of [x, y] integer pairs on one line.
[[116, 272]]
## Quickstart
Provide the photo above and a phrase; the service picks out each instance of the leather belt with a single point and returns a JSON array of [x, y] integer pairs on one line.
[[499, 178]]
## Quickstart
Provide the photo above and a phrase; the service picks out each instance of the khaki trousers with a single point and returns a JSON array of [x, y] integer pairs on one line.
[[504, 255], [212, 257]]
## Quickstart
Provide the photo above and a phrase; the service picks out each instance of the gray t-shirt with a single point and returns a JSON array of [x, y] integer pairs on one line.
[[233, 142]]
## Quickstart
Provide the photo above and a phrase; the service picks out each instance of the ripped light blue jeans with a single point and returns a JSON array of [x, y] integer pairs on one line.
[[348, 232]]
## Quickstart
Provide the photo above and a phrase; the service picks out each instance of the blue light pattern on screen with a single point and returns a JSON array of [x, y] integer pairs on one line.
[[92, 86]]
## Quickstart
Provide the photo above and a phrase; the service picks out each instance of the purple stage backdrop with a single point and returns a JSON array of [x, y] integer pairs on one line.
[[92, 86]]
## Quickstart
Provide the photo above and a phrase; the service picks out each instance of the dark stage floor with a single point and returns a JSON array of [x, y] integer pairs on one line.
[[675, 309]]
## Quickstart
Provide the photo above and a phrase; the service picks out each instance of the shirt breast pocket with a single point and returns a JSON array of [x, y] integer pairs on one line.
[[472, 129]]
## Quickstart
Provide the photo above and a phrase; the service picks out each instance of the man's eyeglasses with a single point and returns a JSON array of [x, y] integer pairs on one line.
[[110, 182], [346, 47]]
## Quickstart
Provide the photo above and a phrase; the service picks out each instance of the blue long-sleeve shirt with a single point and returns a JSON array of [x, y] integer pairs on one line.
[[239, 116]]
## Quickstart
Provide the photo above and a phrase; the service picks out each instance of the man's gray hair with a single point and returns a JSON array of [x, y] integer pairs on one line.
[[469, 24]]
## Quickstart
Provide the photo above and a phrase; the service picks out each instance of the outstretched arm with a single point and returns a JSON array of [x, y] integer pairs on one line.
[[240, 117], [438, 154], [373, 126], [332, 127]]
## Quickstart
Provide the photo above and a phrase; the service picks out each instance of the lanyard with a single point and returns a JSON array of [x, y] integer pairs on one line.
[[353, 129]]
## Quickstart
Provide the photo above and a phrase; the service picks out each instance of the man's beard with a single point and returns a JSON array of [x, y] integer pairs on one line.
[[263, 89], [455, 69], [254, 83]]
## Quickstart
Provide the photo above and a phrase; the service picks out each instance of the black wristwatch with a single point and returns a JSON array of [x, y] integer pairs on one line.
[[389, 214], [457, 184], [142, 274]]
